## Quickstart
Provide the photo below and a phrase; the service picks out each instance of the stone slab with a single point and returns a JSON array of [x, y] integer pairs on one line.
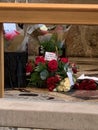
[[53, 115]]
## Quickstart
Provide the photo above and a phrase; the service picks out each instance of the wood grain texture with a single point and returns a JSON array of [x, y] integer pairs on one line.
[[1, 62], [49, 13]]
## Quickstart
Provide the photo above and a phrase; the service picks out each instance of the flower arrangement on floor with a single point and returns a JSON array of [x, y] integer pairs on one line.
[[51, 69], [52, 74], [86, 84]]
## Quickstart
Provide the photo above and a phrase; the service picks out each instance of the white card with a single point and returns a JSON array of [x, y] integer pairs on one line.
[[50, 56]]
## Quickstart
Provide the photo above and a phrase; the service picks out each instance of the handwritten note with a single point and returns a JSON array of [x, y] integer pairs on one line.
[[50, 56]]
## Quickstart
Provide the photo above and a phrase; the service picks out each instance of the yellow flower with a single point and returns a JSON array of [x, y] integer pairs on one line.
[[64, 85]]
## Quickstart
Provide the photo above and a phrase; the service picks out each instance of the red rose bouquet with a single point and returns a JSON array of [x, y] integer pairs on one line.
[[49, 74], [86, 84]]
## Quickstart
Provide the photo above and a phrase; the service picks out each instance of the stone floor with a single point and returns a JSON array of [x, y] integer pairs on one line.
[[43, 95]]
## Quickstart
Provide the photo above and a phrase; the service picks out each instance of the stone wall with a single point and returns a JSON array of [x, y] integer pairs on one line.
[[82, 40]]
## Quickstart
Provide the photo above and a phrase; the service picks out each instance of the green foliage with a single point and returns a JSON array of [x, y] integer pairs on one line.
[[61, 71], [36, 80], [52, 45], [39, 75], [40, 67]]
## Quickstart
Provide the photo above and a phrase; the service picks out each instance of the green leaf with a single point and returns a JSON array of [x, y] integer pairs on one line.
[[36, 80], [50, 45], [66, 67], [60, 52], [34, 77], [61, 65], [40, 67]]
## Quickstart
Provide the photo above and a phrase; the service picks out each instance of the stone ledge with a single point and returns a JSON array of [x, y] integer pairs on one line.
[[52, 115]]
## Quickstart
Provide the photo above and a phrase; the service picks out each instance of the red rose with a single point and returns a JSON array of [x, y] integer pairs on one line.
[[74, 67], [74, 70], [76, 85], [87, 87], [57, 78], [93, 87], [91, 81], [81, 87], [53, 65], [29, 67], [64, 60], [39, 59], [51, 82], [51, 87], [86, 84]]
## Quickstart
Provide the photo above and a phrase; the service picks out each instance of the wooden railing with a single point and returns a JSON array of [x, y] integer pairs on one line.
[[43, 13]]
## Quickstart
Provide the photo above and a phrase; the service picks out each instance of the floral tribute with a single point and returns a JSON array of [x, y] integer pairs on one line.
[[51, 74], [86, 84]]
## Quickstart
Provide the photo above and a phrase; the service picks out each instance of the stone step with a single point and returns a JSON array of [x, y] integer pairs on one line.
[[84, 60], [59, 116], [87, 66]]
